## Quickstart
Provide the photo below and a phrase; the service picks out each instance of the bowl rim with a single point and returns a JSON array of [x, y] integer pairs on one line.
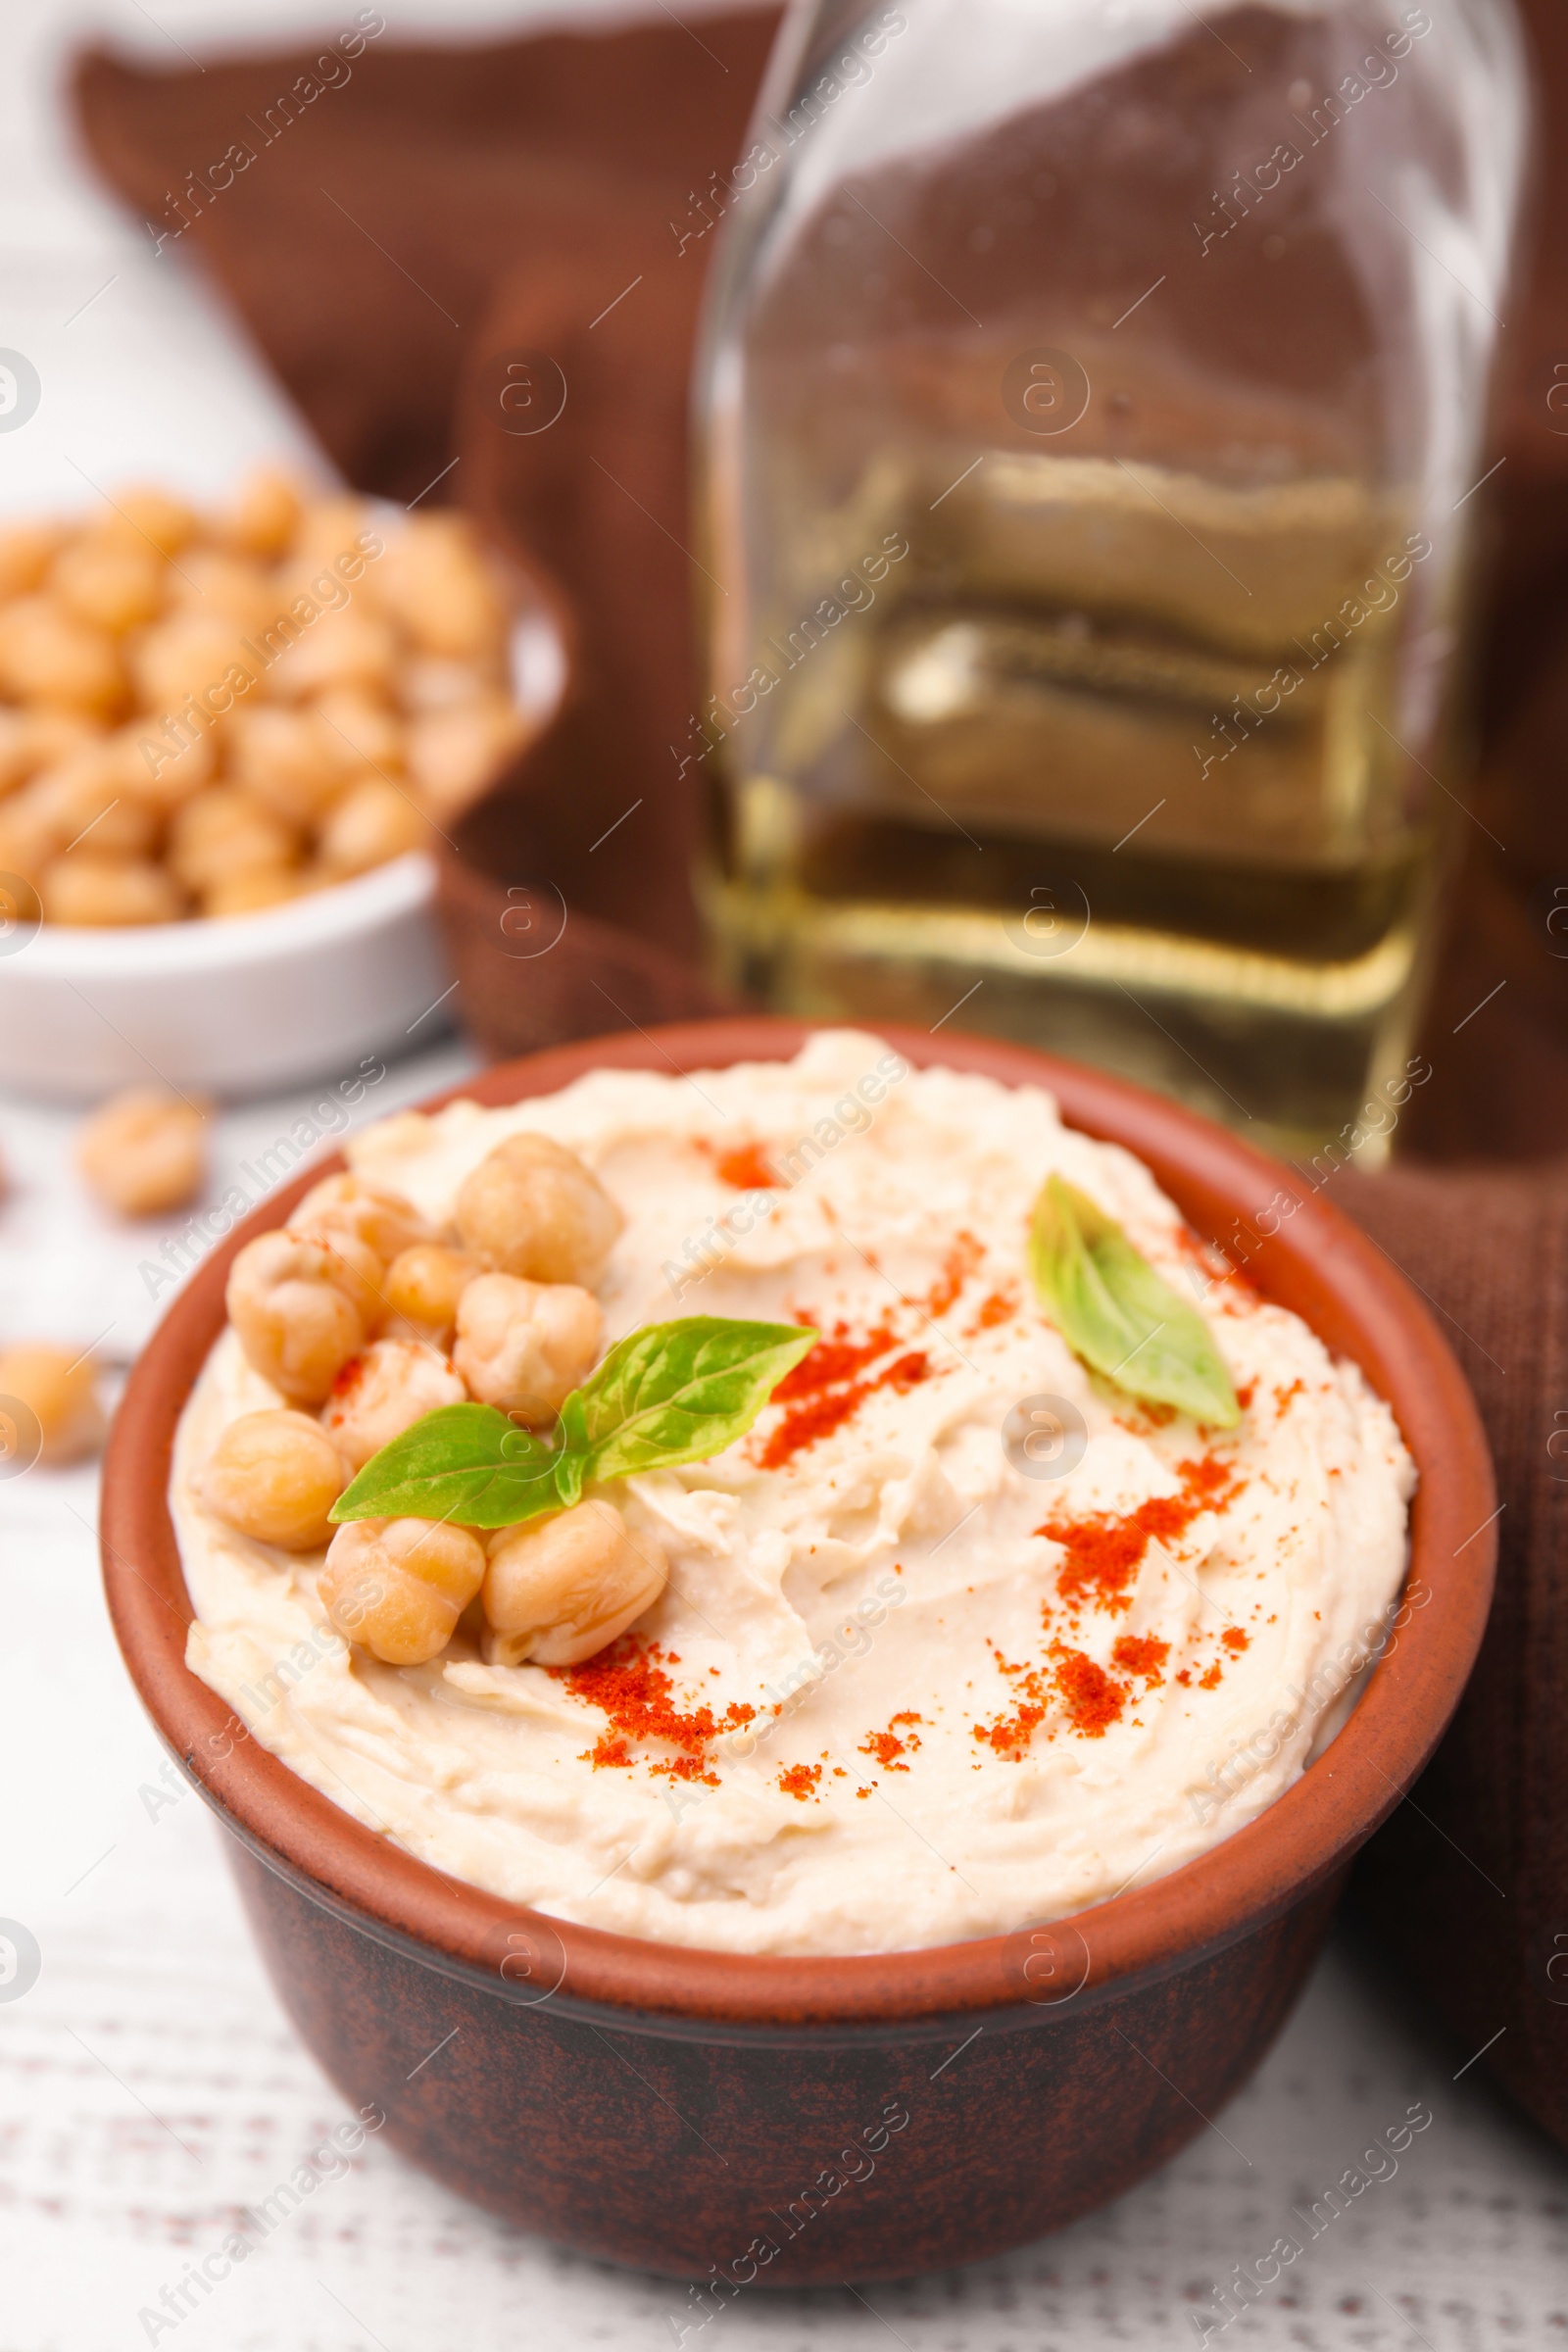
[[1366, 1308], [205, 944]]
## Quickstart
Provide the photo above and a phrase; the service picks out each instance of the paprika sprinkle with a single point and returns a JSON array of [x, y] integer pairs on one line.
[[747, 1170], [961, 1263], [1138, 1653], [1105, 1549], [823, 1392], [628, 1683], [1093, 1699]]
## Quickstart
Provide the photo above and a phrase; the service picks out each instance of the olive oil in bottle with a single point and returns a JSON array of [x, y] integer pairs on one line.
[[1086, 536]]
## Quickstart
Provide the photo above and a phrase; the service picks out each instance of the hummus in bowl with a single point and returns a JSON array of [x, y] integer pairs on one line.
[[961, 1635]]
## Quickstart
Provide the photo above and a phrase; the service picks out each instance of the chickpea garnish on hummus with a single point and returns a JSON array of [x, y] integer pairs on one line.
[[608, 1496], [438, 1459]]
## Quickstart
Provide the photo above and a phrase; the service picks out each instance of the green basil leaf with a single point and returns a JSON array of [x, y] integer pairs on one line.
[[678, 1393], [1115, 1311], [671, 1392], [462, 1462]]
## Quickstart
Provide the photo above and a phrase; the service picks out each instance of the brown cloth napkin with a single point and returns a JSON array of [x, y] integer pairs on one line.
[[1467, 1884], [445, 216]]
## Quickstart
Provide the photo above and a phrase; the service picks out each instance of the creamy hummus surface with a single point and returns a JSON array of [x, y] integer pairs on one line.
[[959, 1638]]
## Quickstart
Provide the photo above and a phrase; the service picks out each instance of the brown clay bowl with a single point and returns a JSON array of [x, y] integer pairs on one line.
[[669, 2107]]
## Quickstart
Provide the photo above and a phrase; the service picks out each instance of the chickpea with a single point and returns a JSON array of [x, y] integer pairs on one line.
[[369, 733], [158, 772], [19, 753], [19, 904], [224, 831], [104, 893], [58, 1389], [145, 513], [265, 514], [378, 1217], [124, 635], [144, 1152], [290, 758], [328, 528], [437, 586], [424, 1284], [455, 755], [48, 656], [30, 740], [275, 1477], [29, 834], [557, 1590], [58, 733], [380, 1393], [27, 550], [372, 822], [348, 647], [253, 890], [524, 1345], [220, 585], [403, 1134], [533, 1208], [186, 653], [115, 584], [85, 800], [399, 1586], [302, 1306]]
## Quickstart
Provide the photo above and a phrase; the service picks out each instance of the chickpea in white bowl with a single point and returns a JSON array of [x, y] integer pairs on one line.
[[209, 714], [273, 711]]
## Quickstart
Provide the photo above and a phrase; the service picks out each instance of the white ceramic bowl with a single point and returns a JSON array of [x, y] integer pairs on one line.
[[247, 1005]]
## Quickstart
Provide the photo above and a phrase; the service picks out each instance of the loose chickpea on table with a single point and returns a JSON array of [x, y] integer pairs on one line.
[[60, 1418], [306, 1305], [144, 1152], [168, 749]]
